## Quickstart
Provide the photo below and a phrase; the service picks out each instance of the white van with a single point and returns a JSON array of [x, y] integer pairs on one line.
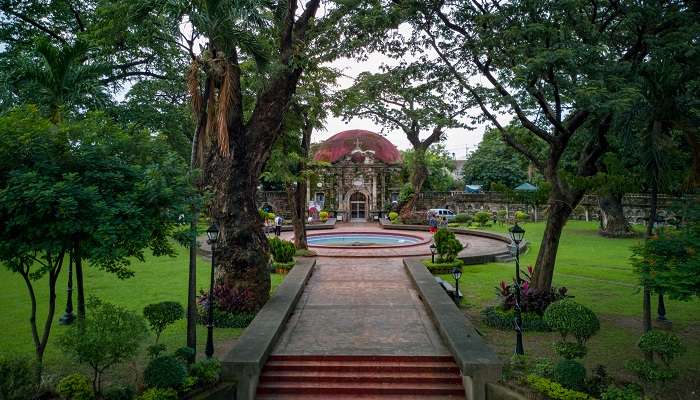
[[443, 212]]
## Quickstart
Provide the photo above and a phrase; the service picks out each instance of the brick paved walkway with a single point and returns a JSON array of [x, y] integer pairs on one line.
[[360, 306]]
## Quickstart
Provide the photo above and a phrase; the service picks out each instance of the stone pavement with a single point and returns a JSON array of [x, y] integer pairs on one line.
[[360, 306]]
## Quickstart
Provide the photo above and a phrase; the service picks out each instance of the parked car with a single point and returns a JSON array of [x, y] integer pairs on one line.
[[443, 212]]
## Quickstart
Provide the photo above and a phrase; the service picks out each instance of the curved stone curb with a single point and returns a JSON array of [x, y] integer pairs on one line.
[[246, 359], [468, 257], [478, 363]]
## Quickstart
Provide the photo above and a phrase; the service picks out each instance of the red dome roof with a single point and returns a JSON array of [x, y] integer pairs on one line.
[[341, 144]]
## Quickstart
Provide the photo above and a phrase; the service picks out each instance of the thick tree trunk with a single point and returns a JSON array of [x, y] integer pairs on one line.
[[242, 251], [418, 178], [559, 211], [297, 201], [612, 220]]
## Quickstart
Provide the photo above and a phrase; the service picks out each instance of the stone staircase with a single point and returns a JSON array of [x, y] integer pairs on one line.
[[360, 377]]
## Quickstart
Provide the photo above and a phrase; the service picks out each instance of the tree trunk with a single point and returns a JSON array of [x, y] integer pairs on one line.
[[242, 251], [79, 279], [612, 217], [559, 210], [418, 178], [646, 307], [297, 201]]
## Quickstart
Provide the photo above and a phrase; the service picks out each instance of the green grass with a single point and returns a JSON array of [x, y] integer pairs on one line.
[[598, 273], [157, 279]]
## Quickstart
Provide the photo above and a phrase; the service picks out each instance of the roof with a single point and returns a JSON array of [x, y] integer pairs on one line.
[[473, 188], [343, 143], [526, 187]]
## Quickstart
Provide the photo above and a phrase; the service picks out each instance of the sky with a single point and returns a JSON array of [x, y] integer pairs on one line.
[[458, 141]]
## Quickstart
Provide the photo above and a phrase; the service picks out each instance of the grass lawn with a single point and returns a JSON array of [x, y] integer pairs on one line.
[[158, 279], [598, 273]]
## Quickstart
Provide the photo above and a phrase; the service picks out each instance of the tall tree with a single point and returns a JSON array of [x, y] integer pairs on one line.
[[564, 69], [493, 161], [405, 98], [244, 111]]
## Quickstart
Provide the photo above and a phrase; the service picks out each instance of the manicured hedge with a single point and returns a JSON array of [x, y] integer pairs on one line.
[[500, 319], [553, 390], [442, 268]]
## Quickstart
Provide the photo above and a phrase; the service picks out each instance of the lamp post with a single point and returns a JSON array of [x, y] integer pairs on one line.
[[457, 273], [433, 250], [68, 317], [213, 236], [516, 234]]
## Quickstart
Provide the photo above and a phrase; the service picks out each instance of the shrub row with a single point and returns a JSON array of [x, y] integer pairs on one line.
[[502, 319], [553, 390]]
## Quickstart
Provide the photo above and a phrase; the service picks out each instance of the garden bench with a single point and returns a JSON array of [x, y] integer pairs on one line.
[[448, 287]]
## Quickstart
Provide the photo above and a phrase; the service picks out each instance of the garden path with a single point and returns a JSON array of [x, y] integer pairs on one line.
[[360, 306]]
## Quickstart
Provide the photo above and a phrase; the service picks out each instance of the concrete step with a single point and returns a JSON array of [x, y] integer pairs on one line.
[[360, 388], [360, 377], [370, 377]]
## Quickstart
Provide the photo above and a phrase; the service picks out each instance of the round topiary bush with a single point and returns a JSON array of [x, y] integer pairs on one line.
[[323, 215], [664, 345], [75, 387], [570, 374], [571, 318], [282, 250], [482, 217], [521, 216], [393, 216], [448, 247], [164, 372], [570, 350]]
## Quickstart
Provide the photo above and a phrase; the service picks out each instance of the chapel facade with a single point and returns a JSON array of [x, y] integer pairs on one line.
[[361, 180]]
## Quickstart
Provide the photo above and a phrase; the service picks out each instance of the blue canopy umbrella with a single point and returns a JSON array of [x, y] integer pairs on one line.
[[526, 187]]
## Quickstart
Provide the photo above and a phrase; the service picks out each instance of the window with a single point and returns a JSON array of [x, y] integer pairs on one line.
[[320, 197], [394, 197]]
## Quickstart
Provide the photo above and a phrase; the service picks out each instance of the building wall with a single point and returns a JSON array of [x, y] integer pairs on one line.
[[636, 206]]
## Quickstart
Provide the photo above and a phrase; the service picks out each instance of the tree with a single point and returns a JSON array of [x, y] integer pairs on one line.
[[160, 315], [252, 62], [493, 161], [405, 98], [565, 69], [108, 336], [438, 163], [115, 193]]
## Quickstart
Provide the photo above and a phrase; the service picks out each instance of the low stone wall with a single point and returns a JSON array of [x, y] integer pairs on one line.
[[478, 363], [246, 359]]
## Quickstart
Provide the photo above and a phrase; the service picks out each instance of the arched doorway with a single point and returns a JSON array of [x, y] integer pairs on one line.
[[358, 206]]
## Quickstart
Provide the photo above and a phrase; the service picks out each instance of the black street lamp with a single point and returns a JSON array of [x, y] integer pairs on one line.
[[213, 236], [68, 317], [516, 234], [457, 273], [433, 250]]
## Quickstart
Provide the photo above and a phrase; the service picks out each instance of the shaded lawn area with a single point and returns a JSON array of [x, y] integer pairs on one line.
[[597, 271], [158, 279]]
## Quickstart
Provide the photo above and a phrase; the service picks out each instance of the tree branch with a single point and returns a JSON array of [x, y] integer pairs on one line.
[[117, 77], [35, 24]]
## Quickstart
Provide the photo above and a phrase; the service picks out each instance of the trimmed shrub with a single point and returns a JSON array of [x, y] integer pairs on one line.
[[184, 354], [651, 372], [75, 387], [442, 268], [626, 393], [482, 218], [155, 350], [164, 372], [501, 214], [571, 318], [521, 216], [207, 372], [569, 350], [160, 315], [544, 367], [109, 335], [16, 378], [227, 300], [159, 394], [416, 218], [665, 345], [224, 319], [282, 250], [119, 393], [323, 215], [504, 319], [393, 216], [462, 218], [553, 390], [448, 247], [570, 374]]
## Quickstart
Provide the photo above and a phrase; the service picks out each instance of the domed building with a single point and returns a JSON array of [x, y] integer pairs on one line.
[[361, 180]]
